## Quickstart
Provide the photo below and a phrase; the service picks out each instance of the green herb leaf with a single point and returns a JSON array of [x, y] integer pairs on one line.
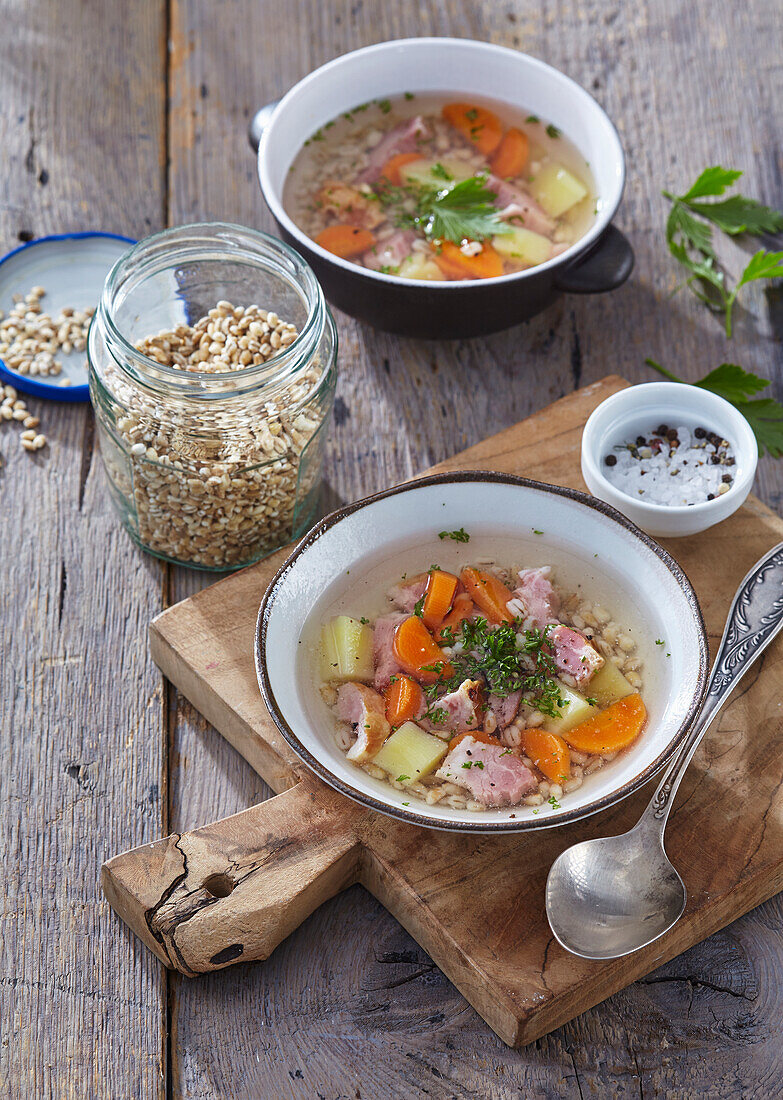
[[764, 414], [739, 214], [689, 236], [552, 131], [418, 607], [462, 212], [402, 778], [712, 181], [440, 172], [457, 536]]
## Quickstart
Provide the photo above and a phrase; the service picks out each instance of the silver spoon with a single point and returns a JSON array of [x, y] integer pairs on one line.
[[608, 897]]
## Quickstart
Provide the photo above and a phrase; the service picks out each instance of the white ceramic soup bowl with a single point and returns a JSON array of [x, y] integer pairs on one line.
[[601, 260], [349, 560]]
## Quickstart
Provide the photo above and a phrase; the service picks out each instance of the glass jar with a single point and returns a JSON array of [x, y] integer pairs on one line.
[[212, 469]]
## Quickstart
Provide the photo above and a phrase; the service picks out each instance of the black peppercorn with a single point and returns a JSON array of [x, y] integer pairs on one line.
[[611, 460], [672, 433], [710, 496], [701, 433], [727, 479], [715, 460], [640, 441], [662, 429]]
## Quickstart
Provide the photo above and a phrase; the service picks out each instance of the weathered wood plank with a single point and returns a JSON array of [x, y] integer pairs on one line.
[[687, 87], [83, 1011]]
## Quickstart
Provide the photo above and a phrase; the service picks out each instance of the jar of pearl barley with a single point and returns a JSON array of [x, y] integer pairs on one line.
[[212, 363]]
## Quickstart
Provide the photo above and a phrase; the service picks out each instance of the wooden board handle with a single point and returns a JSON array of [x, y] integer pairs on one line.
[[234, 890]]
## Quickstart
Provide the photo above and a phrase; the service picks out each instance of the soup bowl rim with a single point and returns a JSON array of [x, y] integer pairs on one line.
[[465, 824], [584, 245]]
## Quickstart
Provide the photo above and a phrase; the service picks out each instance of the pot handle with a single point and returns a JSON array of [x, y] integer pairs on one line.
[[605, 267], [259, 123]]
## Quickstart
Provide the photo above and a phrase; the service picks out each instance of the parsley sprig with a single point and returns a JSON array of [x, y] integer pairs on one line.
[[737, 386], [689, 236], [464, 211]]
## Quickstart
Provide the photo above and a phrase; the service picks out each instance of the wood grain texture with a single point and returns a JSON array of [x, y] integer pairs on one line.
[[83, 1012], [661, 69], [84, 88], [475, 904]]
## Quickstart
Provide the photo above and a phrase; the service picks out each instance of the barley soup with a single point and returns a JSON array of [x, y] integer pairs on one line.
[[483, 687], [428, 187]]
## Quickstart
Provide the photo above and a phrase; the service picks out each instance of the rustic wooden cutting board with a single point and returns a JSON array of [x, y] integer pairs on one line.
[[233, 890]]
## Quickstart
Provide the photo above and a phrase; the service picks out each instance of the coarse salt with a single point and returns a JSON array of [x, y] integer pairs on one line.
[[672, 466]]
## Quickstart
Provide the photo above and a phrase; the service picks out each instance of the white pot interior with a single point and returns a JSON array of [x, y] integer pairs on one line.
[[350, 566], [443, 65]]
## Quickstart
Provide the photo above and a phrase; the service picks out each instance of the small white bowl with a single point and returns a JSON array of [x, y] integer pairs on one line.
[[636, 411], [347, 561]]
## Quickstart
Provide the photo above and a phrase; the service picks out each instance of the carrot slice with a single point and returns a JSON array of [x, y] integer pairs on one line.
[[490, 594], [510, 157], [486, 264], [404, 700], [391, 169], [477, 735], [479, 125], [611, 730], [439, 597], [549, 753], [345, 240], [415, 647], [462, 609]]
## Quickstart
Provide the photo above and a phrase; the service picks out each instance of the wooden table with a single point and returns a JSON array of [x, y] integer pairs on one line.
[[105, 126]]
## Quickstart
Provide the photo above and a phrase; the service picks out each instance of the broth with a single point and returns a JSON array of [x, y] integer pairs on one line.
[[425, 187]]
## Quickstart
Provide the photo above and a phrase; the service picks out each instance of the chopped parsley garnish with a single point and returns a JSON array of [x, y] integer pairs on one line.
[[364, 621], [418, 607], [552, 131], [593, 702], [441, 173], [474, 764], [406, 803], [385, 105], [457, 536], [532, 118], [553, 802], [659, 641], [409, 95], [535, 531], [508, 660], [471, 115], [402, 778]]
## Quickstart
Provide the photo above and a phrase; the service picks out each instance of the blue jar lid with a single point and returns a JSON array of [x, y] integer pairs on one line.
[[72, 268]]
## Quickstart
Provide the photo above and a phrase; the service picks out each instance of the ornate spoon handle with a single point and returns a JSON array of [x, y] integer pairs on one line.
[[755, 618]]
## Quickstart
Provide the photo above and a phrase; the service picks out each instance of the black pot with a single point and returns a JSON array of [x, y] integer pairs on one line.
[[445, 311], [602, 261]]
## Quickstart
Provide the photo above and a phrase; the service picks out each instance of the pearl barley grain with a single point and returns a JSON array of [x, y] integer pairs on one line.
[[215, 483]]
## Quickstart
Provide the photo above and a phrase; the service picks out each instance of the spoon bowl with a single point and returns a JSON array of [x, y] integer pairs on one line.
[[626, 884]]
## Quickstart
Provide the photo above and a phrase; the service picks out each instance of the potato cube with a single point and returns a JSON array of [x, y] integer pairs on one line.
[[346, 650], [576, 709], [522, 244], [410, 753], [608, 685], [556, 189]]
